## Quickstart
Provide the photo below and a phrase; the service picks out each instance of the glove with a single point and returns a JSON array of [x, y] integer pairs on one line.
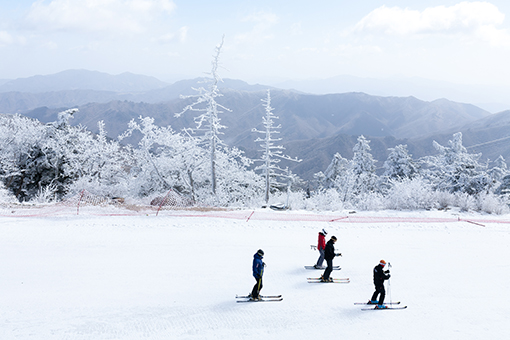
[[339, 254], [387, 271], [264, 264]]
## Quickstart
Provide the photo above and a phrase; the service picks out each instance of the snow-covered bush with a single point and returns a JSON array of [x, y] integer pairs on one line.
[[328, 200], [5, 195], [492, 204], [410, 194], [464, 201], [46, 194]]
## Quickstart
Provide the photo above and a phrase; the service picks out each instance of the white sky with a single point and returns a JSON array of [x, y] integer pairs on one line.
[[462, 42]]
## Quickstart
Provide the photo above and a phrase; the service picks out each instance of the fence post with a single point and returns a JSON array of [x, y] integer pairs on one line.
[[81, 196]]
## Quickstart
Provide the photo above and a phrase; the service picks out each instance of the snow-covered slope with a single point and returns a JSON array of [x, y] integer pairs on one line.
[[176, 277]]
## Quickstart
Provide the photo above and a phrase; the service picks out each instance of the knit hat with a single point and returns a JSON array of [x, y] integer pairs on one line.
[[382, 263], [333, 238], [260, 252]]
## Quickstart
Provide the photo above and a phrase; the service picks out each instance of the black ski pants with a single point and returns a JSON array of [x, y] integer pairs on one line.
[[379, 289], [328, 270], [256, 289]]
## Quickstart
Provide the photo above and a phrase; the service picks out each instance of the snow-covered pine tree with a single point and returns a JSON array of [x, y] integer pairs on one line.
[[271, 153], [363, 167], [456, 170], [399, 165], [208, 121], [499, 169], [336, 168], [20, 144]]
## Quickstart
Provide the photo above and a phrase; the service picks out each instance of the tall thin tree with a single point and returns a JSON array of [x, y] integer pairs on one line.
[[208, 121], [271, 153]]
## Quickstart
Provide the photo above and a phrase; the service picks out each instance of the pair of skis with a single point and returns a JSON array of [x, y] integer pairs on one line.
[[322, 268], [333, 280], [263, 298], [386, 305]]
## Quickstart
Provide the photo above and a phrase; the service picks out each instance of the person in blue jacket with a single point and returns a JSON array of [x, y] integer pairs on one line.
[[258, 271]]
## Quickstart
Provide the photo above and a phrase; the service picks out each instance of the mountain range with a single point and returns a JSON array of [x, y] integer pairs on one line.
[[314, 127]]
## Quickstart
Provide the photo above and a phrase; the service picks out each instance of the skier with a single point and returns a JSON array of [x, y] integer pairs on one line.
[[379, 276], [258, 271], [321, 245], [329, 255]]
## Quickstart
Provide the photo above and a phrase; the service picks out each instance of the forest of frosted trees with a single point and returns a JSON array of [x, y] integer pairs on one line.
[[49, 162], [42, 163]]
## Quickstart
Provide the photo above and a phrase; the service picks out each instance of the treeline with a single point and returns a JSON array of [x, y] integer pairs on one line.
[[44, 163]]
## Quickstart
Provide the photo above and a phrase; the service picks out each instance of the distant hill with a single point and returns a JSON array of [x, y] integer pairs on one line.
[[314, 127], [490, 98], [83, 80], [22, 101]]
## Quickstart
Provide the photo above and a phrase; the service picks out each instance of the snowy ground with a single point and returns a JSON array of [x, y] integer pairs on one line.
[[175, 277]]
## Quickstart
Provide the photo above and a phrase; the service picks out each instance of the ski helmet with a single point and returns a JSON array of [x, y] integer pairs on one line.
[[333, 238], [324, 231], [382, 263], [260, 252]]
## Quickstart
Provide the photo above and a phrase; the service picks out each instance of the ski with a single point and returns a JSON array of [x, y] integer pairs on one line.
[[387, 308], [262, 300], [372, 304], [323, 268], [262, 296], [318, 280], [334, 279]]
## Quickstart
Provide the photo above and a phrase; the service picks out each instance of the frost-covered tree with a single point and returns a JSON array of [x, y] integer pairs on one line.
[[456, 170], [353, 178], [271, 152], [237, 185], [164, 159], [363, 167], [499, 169], [102, 165], [336, 169], [41, 158], [63, 150], [208, 121], [20, 144], [399, 165]]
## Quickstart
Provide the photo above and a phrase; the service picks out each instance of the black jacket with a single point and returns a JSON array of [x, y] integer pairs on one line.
[[380, 275], [329, 252]]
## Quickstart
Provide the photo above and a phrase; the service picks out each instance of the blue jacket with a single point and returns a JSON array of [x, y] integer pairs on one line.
[[258, 266]]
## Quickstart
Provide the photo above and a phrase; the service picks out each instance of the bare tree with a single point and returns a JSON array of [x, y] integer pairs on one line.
[[208, 121], [271, 153]]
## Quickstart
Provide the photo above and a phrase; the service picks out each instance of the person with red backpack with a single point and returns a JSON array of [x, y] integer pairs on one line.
[[321, 246]]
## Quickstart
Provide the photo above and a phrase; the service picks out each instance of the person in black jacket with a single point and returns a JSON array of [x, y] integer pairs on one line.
[[380, 275], [329, 255]]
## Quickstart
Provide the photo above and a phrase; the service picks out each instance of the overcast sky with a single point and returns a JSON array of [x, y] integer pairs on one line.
[[462, 42]]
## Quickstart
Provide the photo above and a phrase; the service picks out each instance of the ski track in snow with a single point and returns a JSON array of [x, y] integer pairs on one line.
[[168, 277]]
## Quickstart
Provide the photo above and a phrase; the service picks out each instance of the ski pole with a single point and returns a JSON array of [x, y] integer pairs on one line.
[[389, 285]]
